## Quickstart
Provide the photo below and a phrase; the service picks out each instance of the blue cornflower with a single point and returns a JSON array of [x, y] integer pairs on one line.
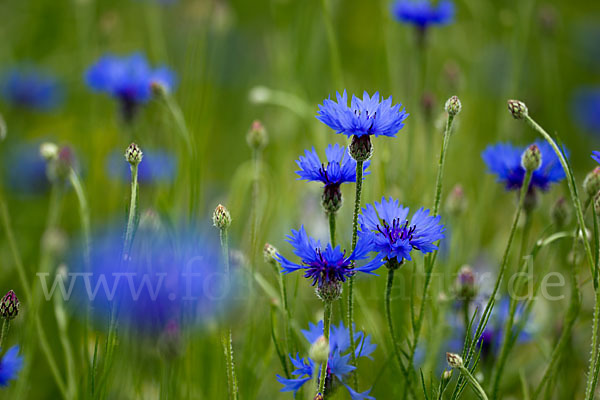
[[25, 169], [10, 365], [423, 13], [504, 160], [157, 167], [129, 79], [340, 168], [596, 156], [393, 236], [586, 109], [369, 116], [338, 365], [30, 87], [329, 265]]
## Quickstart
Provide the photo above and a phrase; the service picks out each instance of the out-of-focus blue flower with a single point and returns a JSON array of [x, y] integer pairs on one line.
[[387, 227], [30, 87], [596, 156], [504, 160], [328, 265], [25, 169], [167, 274], [338, 365], [156, 167], [10, 365], [128, 79], [340, 168], [586, 109], [369, 116], [422, 13]]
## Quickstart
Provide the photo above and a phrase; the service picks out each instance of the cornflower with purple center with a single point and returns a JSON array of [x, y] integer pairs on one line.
[[371, 116], [338, 365], [387, 227], [340, 168]]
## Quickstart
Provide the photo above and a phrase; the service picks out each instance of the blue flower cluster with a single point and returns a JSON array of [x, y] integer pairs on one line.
[[338, 366], [504, 160], [422, 13], [340, 167]]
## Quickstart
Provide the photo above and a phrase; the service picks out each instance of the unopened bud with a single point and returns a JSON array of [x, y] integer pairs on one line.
[[456, 202], [560, 213], [531, 159], [330, 291], [49, 151], [257, 136], [454, 360], [133, 154], [453, 106], [9, 306], [319, 350], [517, 108], [591, 183], [465, 283], [221, 217], [447, 374], [331, 200], [318, 396], [361, 148], [269, 252]]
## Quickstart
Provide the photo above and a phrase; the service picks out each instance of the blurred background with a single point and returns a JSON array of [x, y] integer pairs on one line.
[[276, 61]]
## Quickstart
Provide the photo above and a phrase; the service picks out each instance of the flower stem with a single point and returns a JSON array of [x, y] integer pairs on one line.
[[326, 325], [227, 337], [430, 259], [331, 217], [359, 174], [476, 386], [5, 326], [131, 219], [84, 213]]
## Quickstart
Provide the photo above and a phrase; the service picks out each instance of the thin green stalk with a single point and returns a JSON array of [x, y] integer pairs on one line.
[[430, 260], [359, 179], [286, 310], [591, 378], [227, 337], [331, 216], [5, 327], [280, 353], [474, 383], [326, 325], [131, 219], [84, 214]]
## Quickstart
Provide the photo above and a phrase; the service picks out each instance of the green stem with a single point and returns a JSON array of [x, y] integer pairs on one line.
[[476, 386], [84, 213], [591, 378], [5, 326], [359, 179], [131, 219], [430, 260], [227, 337], [326, 325], [331, 216]]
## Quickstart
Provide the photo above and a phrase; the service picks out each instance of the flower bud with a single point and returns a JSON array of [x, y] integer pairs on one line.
[[133, 154], [60, 163], [518, 109], [361, 148], [318, 396], [454, 360], [257, 136], [269, 252], [330, 291], [560, 213], [319, 350], [158, 89], [49, 151], [453, 106], [447, 374], [531, 159], [331, 200], [9, 306], [221, 217], [465, 283], [591, 183], [456, 202]]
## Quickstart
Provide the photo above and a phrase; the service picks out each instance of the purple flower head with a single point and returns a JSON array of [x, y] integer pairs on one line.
[[369, 116], [29, 87], [10, 365], [326, 265], [391, 234], [338, 365], [504, 160], [422, 13], [340, 167]]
